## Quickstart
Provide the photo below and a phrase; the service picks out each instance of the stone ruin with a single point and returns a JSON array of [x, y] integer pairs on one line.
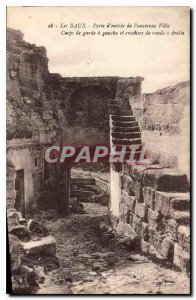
[[148, 202]]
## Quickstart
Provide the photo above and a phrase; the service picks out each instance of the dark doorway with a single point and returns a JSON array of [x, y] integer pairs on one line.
[[19, 186]]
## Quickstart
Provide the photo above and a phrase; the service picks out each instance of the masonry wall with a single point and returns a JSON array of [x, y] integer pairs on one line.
[[153, 210], [150, 202], [164, 119]]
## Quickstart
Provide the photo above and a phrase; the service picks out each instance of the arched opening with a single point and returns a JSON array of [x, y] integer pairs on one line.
[[90, 188], [89, 107]]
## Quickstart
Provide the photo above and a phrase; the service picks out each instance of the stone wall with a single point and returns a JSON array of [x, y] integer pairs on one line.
[[45, 109], [152, 204], [164, 119]]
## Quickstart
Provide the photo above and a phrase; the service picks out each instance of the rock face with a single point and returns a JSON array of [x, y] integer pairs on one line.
[[27, 71]]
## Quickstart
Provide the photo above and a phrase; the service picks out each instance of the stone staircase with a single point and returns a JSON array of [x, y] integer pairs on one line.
[[125, 130], [86, 190]]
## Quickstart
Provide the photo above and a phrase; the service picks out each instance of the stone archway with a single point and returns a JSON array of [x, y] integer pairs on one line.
[[89, 107]]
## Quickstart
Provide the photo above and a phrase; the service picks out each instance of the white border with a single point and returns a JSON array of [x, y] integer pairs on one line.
[[3, 4]]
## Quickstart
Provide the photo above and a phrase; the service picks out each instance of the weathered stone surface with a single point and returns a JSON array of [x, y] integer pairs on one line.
[[128, 184], [144, 232], [138, 192], [13, 218], [145, 246], [181, 258], [21, 232], [137, 172], [153, 236], [36, 228], [182, 217], [149, 197], [181, 203], [167, 248], [172, 228], [141, 210], [24, 282], [155, 254], [137, 225], [163, 201], [167, 180], [184, 237], [45, 246], [16, 252]]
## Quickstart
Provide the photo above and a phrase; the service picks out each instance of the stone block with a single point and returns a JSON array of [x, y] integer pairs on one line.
[[166, 180], [163, 201], [132, 202], [153, 236], [149, 197], [181, 258], [141, 210], [172, 228], [167, 248], [138, 192], [137, 225], [181, 203], [155, 219], [45, 246], [21, 232], [184, 237], [130, 186]]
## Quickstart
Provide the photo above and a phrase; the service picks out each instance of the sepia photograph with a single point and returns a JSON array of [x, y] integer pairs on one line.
[[98, 150]]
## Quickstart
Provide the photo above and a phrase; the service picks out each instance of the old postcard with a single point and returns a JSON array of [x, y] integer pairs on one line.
[[98, 150]]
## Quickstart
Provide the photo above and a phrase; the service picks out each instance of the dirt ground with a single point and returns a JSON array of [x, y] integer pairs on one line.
[[91, 263]]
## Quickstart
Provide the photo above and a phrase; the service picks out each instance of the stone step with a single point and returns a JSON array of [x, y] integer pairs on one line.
[[93, 188], [125, 142], [126, 129], [123, 118], [127, 124], [81, 193], [83, 181], [127, 135], [121, 112]]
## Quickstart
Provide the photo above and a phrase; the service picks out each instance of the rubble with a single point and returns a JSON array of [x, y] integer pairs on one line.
[[31, 246]]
